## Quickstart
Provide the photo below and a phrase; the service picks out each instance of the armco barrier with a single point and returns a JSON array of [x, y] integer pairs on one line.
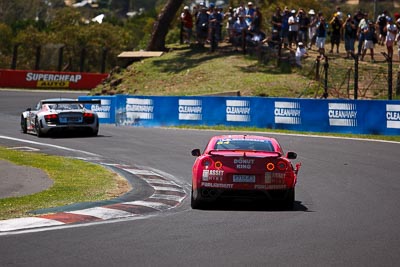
[[314, 115]]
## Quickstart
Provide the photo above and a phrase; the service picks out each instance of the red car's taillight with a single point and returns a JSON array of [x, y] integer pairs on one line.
[[270, 166], [209, 163], [218, 164], [281, 165], [51, 118], [88, 117], [206, 163]]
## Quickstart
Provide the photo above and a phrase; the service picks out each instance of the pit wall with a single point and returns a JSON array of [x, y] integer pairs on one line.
[[310, 115]]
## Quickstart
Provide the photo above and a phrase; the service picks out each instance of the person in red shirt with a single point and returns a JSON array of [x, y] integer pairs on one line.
[[187, 24]]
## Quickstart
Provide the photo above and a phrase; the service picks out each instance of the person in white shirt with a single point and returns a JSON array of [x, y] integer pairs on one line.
[[391, 31], [301, 53]]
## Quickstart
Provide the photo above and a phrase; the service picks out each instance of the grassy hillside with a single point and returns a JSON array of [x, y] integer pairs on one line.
[[195, 71]]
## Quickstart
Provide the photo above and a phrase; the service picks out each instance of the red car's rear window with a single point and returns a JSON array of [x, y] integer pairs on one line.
[[244, 144]]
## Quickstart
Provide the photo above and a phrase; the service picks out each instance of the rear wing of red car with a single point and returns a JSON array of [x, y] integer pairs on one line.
[[220, 152]]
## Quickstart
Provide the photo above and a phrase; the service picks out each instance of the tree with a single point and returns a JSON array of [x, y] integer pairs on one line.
[[161, 26]]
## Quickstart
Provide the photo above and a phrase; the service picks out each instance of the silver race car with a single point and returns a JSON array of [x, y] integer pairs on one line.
[[61, 114]]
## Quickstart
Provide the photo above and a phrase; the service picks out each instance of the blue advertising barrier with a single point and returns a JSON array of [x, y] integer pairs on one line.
[[314, 115]]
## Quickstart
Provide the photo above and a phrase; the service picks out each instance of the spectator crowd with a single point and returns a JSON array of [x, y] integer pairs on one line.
[[295, 30]]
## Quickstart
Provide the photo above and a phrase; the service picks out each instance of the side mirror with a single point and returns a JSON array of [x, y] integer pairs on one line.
[[196, 152], [291, 155]]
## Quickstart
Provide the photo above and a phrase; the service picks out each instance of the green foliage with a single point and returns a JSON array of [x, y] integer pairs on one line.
[[6, 38]]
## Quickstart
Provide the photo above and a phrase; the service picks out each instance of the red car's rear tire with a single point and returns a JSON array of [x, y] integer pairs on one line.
[[288, 202], [195, 202]]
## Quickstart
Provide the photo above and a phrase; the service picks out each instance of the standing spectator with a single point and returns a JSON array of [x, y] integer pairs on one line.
[[322, 28], [350, 34], [312, 29], [231, 18], [381, 22], [285, 26], [301, 53], [360, 32], [241, 10], [214, 25], [336, 32], [239, 30], [249, 12], [187, 24], [256, 24], [276, 20], [391, 32], [202, 25], [293, 28], [369, 34], [304, 23], [397, 18], [339, 13]]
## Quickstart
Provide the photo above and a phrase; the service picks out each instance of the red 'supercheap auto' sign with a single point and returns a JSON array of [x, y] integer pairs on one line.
[[49, 79]]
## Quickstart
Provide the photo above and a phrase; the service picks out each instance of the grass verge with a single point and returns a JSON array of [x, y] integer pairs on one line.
[[74, 181], [393, 138]]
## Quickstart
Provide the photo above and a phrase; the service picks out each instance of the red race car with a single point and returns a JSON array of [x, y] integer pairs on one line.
[[247, 166]]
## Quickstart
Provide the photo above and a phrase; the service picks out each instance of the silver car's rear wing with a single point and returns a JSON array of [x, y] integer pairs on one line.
[[93, 102]]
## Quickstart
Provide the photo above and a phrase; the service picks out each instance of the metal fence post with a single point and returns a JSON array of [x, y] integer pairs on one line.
[[326, 68], [355, 57], [390, 75], [398, 84], [317, 61]]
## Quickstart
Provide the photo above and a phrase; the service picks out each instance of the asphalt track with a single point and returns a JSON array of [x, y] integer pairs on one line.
[[347, 211]]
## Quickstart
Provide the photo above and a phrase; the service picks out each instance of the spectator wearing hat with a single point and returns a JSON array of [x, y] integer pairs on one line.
[[304, 23], [293, 22], [249, 13], [391, 30], [202, 26], [397, 19], [215, 19], [239, 31], [363, 24], [336, 32], [369, 35], [350, 35], [381, 23], [231, 18], [312, 29], [322, 29], [301, 52], [187, 24]]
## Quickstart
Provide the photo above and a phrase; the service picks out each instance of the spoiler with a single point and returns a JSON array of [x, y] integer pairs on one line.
[[217, 152], [72, 102]]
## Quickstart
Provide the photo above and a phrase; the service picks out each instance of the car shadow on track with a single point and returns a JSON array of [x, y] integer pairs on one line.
[[252, 205], [68, 135]]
